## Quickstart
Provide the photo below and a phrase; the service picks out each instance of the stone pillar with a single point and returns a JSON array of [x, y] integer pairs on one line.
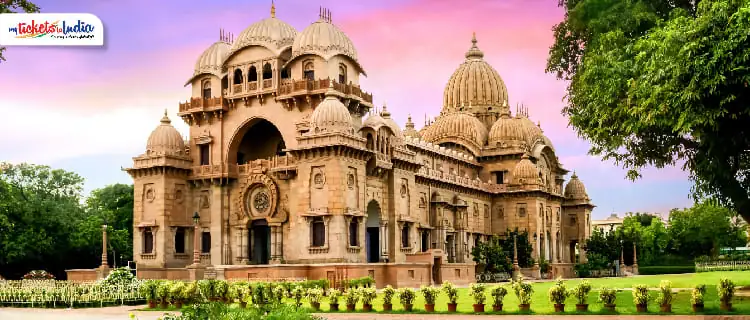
[[554, 257], [383, 240], [250, 244], [244, 237], [582, 250], [104, 247], [196, 270], [537, 271], [516, 267], [622, 261], [276, 246], [635, 261]]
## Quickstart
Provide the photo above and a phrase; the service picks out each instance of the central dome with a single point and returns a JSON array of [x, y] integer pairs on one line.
[[272, 33], [475, 86], [324, 39]]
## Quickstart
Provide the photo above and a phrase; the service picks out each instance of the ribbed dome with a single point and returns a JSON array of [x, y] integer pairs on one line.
[[331, 115], [210, 61], [459, 127], [575, 189], [531, 130], [165, 140], [525, 172], [475, 85], [271, 33], [374, 121], [506, 129], [409, 130], [324, 39]]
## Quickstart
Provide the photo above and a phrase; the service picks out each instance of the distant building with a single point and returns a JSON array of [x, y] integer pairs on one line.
[[611, 223]]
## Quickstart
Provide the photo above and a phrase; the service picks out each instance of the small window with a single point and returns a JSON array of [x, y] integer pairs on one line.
[[405, 243], [499, 177], [252, 75], [206, 242], [148, 241], [267, 71], [204, 154], [521, 211], [206, 89], [354, 232], [309, 71], [342, 73], [318, 232], [237, 76], [425, 240], [179, 240]]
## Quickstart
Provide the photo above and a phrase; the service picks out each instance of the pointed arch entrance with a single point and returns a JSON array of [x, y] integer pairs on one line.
[[372, 232]]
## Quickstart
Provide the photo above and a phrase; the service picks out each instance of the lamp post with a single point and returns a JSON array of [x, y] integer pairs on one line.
[[196, 242], [104, 244]]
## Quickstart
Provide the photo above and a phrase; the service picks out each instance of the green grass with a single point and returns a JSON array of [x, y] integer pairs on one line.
[[540, 303]]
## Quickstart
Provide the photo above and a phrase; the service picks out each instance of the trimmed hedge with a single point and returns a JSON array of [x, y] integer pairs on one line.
[[665, 270]]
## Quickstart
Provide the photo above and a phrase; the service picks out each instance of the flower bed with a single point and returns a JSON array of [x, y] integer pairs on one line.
[[65, 294]]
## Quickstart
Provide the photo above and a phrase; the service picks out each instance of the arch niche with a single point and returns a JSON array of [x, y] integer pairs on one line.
[[372, 232], [257, 138]]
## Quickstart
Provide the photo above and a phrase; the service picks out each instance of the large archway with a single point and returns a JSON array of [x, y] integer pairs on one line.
[[372, 234], [257, 139]]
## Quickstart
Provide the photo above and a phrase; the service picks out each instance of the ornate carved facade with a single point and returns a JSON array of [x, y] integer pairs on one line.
[[287, 163]]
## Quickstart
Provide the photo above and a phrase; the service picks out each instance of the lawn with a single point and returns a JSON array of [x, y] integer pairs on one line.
[[541, 305]]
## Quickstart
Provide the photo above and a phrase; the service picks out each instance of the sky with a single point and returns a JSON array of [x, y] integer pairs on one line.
[[90, 110]]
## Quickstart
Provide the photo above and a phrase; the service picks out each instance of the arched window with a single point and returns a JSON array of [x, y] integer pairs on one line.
[[405, 236], [354, 232], [179, 240], [224, 83], [284, 73], [206, 242], [237, 76], [370, 142], [318, 230], [342, 73], [207, 89], [308, 70], [267, 72], [252, 75], [148, 241]]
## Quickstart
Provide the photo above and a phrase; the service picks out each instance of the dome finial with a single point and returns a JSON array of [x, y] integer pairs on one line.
[[385, 113], [574, 176], [165, 118], [331, 91], [273, 10], [474, 52]]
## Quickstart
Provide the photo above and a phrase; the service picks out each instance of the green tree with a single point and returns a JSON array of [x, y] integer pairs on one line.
[[15, 6], [704, 229], [39, 209], [662, 82]]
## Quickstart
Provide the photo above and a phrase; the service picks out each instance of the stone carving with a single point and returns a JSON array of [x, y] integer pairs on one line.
[[350, 180], [318, 178], [476, 209], [150, 194], [261, 201], [204, 201], [486, 211], [403, 191], [178, 195], [258, 197]]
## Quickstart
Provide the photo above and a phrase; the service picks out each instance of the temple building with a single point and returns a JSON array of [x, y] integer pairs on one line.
[[290, 171]]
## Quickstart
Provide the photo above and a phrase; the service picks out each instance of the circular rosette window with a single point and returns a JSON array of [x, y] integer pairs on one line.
[[258, 202]]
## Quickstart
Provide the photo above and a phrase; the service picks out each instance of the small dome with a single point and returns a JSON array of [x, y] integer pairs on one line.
[[525, 172], [460, 127], [374, 121], [271, 33], [210, 60], [409, 130], [575, 189], [331, 115], [324, 39], [165, 140], [475, 84], [531, 130], [391, 123], [506, 129]]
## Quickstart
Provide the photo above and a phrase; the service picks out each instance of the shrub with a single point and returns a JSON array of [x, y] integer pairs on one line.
[[176, 290], [239, 290], [430, 294], [406, 295], [162, 290], [665, 292], [476, 290], [450, 291], [334, 295], [189, 292], [314, 295], [607, 295], [524, 291], [558, 293], [148, 289], [221, 289], [119, 277], [351, 296], [726, 290], [581, 292], [368, 295], [498, 294], [388, 294], [278, 294], [650, 270], [640, 294], [206, 289], [697, 296]]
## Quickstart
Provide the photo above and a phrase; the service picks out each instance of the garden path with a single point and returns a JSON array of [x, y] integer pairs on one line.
[[108, 313]]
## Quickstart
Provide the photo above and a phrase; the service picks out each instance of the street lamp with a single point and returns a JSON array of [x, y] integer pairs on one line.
[[196, 243], [104, 242]]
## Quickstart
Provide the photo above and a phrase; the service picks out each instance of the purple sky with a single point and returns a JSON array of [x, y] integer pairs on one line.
[[91, 109]]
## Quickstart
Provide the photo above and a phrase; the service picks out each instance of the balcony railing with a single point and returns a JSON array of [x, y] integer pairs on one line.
[[201, 104], [267, 83], [237, 88], [294, 87], [276, 163]]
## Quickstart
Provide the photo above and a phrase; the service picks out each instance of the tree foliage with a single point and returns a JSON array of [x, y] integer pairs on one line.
[[45, 226], [496, 254], [15, 6], [662, 82]]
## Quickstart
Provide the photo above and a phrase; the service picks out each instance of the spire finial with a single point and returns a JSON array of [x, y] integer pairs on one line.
[[165, 118], [385, 113], [474, 52], [474, 38], [273, 10]]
